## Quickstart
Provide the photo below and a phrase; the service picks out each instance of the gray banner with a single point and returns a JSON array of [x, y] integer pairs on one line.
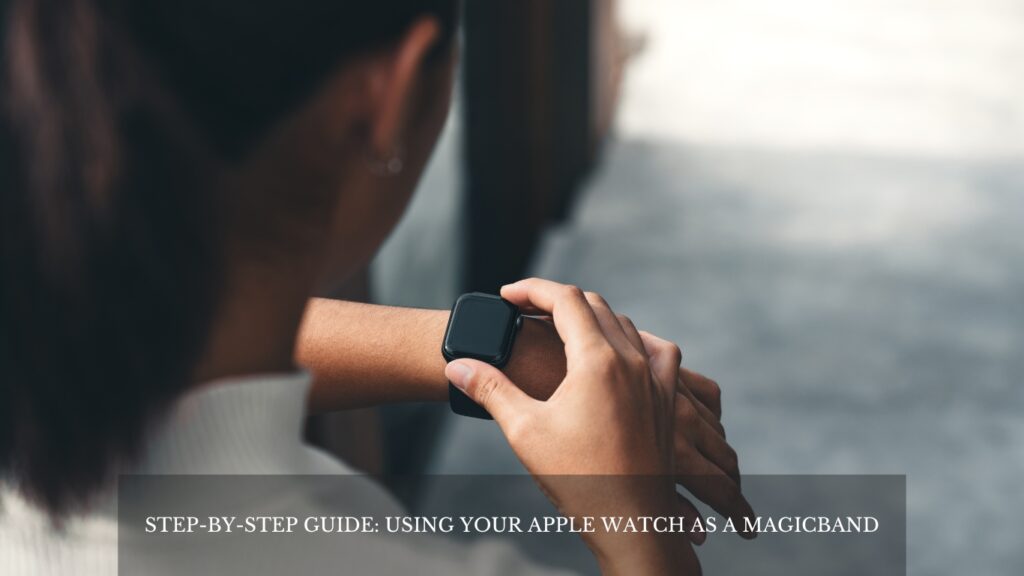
[[242, 525]]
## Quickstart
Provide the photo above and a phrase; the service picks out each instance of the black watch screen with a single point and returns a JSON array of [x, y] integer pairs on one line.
[[482, 327]]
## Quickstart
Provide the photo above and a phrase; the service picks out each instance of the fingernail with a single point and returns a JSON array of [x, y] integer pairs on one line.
[[458, 374]]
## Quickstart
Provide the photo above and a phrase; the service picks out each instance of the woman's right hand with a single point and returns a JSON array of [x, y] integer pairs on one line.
[[610, 422]]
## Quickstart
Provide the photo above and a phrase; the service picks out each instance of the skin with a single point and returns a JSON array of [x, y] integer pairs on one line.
[[393, 355], [614, 412], [306, 211]]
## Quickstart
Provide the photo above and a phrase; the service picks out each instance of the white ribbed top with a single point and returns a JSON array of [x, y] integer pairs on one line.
[[250, 425]]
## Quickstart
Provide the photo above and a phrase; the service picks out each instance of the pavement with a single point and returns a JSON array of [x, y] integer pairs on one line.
[[822, 203]]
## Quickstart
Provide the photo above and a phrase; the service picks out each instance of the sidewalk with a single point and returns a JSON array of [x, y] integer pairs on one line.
[[823, 206]]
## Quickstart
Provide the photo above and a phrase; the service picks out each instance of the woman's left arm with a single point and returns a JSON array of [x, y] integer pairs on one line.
[[366, 354]]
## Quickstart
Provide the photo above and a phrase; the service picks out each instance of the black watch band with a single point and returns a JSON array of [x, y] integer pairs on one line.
[[482, 327]]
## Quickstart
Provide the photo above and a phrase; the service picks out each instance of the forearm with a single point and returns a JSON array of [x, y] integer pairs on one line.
[[365, 354]]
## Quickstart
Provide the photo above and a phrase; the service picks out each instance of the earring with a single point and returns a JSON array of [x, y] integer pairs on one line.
[[388, 165]]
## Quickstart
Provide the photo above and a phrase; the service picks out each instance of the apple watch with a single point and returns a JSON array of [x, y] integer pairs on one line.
[[482, 327]]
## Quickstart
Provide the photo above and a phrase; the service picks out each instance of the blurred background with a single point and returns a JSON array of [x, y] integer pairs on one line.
[[820, 201]]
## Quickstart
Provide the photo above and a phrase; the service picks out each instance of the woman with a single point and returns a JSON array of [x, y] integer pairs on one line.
[[179, 179]]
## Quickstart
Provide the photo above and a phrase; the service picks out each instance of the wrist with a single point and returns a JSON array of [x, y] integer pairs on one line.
[[364, 355], [537, 363]]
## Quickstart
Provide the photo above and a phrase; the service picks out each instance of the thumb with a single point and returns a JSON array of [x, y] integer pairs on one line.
[[490, 388]]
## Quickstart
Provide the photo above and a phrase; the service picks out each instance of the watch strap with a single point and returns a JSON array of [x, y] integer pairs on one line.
[[464, 405]]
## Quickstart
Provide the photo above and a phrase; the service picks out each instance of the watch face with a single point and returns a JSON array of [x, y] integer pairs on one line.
[[481, 327]]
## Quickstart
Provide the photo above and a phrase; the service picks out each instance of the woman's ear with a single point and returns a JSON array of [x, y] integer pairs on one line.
[[392, 84]]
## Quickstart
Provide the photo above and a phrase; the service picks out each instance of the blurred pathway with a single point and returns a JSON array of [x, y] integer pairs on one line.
[[823, 203], [917, 77]]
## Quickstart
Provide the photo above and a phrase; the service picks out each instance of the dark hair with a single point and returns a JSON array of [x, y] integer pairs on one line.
[[108, 207]]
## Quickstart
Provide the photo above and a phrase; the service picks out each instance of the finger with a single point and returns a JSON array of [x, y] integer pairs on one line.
[[491, 389], [664, 357], [610, 324], [714, 447], [631, 332], [573, 316], [713, 487], [690, 513], [705, 413], [669, 356], [705, 389], [695, 432]]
